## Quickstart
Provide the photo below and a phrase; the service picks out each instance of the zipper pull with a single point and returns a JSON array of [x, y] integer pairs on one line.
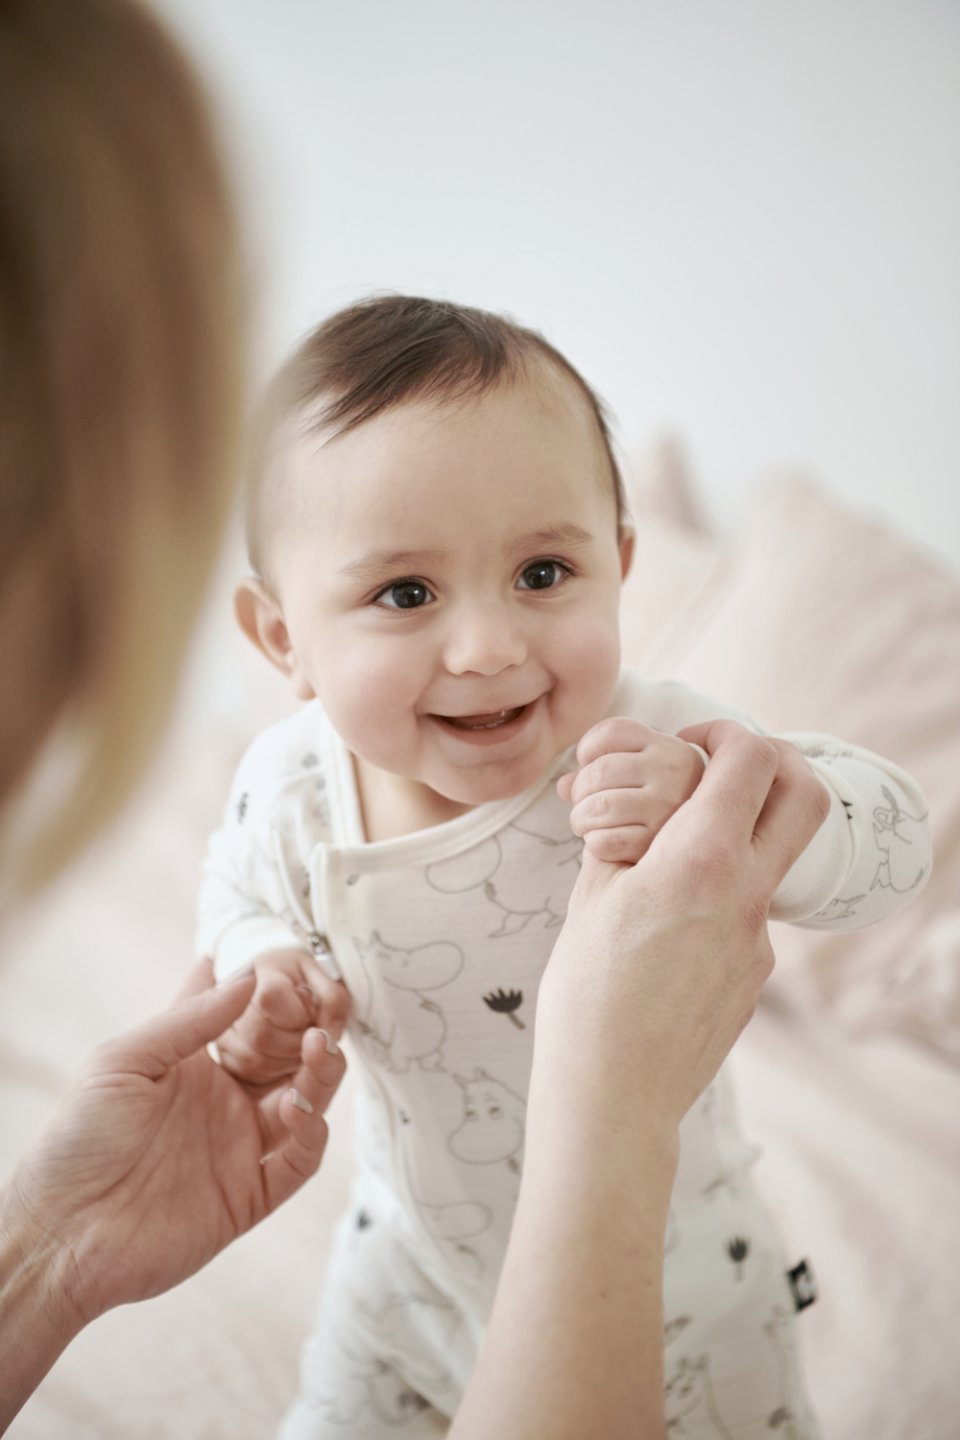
[[323, 955]]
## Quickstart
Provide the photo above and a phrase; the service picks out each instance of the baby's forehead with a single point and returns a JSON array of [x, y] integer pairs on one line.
[[542, 393], [312, 462]]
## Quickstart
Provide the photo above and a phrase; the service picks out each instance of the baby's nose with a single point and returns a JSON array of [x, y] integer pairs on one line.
[[484, 643]]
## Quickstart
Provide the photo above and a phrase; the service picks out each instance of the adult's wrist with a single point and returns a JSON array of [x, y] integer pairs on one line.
[[38, 1313]]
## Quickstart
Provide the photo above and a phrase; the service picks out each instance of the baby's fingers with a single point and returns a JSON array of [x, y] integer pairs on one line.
[[264, 1044], [250, 1065], [279, 1005], [329, 999], [616, 733], [614, 809], [624, 845], [617, 771]]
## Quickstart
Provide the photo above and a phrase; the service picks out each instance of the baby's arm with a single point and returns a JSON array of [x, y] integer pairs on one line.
[[631, 780], [292, 994], [869, 857], [254, 909]]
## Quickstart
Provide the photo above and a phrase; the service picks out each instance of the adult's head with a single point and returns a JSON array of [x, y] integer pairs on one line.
[[121, 359]]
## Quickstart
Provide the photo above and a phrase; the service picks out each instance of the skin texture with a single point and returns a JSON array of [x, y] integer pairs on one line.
[[292, 994], [489, 602], [630, 781], [151, 1164]]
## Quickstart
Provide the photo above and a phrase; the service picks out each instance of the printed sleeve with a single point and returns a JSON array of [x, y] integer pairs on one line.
[[248, 902], [871, 855]]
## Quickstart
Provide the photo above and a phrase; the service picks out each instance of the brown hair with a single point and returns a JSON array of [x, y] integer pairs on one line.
[[394, 348], [121, 314]]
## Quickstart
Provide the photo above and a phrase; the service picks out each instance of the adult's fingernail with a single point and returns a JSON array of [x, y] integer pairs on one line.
[[332, 1047], [301, 1101], [328, 965]]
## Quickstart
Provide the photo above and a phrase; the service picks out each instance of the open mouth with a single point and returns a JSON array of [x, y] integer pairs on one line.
[[491, 721]]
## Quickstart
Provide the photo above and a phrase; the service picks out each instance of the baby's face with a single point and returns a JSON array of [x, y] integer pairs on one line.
[[451, 587]]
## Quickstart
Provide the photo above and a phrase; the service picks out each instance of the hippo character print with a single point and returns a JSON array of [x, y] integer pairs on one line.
[[403, 1026], [902, 846], [492, 1126]]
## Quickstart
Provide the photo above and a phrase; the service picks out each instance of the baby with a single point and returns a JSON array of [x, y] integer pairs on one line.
[[438, 533]]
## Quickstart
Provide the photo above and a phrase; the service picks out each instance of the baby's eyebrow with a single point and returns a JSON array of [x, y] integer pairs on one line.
[[375, 562], [554, 535]]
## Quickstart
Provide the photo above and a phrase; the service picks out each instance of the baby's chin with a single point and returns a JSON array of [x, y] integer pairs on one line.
[[480, 787]]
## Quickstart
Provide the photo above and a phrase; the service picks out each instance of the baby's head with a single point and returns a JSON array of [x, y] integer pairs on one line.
[[438, 530]]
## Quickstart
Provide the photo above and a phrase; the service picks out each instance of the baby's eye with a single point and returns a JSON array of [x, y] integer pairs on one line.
[[404, 595], [544, 575]]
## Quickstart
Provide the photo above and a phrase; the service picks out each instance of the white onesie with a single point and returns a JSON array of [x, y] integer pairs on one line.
[[441, 937]]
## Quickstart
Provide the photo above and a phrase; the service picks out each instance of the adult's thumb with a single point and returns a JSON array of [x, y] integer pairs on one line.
[[157, 1045]]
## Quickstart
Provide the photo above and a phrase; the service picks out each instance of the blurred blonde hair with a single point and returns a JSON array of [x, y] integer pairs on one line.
[[121, 379]]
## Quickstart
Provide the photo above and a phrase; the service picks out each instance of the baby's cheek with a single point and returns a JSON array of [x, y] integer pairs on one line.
[[589, 670], [371, 708]]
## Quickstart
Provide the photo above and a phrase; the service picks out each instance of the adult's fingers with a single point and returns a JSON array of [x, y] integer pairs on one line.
[[738, 779], [795, 808], [296, 1157], [294, 1133], [199, 977], [321, 1069], [156, 1046]]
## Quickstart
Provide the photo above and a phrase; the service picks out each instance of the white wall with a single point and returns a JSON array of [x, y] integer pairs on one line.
[[740, 218]]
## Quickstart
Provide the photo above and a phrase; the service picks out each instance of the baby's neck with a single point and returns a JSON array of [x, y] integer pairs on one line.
[[390, 807]]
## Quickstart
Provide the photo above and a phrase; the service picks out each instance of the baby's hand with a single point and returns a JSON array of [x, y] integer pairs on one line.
[[292, 994], [631, 780]]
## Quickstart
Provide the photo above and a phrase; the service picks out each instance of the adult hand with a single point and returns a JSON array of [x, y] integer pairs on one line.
[[656, 971], [154, 1159], [659, 965]]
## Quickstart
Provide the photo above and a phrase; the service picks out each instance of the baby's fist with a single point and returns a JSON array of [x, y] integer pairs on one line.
[[292, 995], [631, 780]]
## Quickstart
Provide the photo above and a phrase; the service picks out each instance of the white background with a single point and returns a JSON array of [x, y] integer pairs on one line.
[[740, 218]]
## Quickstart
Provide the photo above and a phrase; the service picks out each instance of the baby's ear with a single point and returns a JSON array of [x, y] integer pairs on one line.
[[261, 620]]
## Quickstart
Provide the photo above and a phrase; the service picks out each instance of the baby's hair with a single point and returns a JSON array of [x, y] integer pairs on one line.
[[392, 349]]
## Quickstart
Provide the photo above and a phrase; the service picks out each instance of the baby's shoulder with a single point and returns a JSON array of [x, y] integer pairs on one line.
[[283, 766], [288, 748], [666, 704]]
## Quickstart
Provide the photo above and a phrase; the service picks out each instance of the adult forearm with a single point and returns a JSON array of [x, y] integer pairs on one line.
[[575, 1342], [37, 1321]]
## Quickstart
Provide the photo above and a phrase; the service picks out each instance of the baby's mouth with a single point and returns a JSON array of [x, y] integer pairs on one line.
[[490, 721]]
